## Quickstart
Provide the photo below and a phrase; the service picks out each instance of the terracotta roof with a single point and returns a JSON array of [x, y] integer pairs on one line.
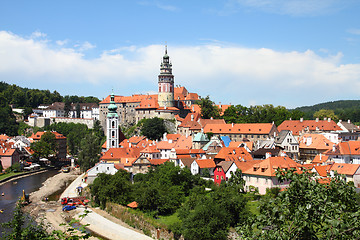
[[165, 145], [38, 135], [4, 137], [183, 143], [223, 107], [136, 139], [158, 161], [245, 165], [322, 170], [173, 137], [192, 96], [268, 166], [125, 156], [296, 125], [240, 128], [150, 149], [195, 108], [345, 168], [206, 163], [150, 102], [345, 148], [234, 144], [7, 152], [320, 158], [128, 99], [230, 154], [314, 141]]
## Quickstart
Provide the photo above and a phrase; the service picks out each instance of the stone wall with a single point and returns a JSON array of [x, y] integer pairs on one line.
[[89, 122], [149, 226]]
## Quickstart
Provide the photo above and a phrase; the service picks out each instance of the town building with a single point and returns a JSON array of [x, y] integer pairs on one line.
[[241, 131], [61, 144], [169, 102]]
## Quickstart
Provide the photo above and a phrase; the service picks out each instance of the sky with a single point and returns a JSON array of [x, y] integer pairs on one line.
[[250, 52]]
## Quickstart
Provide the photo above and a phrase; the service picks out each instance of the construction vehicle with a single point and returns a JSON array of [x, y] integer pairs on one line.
[[25, 199], [74, 201]]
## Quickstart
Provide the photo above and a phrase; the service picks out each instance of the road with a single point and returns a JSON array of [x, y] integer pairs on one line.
[[100, 224]]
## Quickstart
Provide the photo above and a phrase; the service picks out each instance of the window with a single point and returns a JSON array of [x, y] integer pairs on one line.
[[217, 177]]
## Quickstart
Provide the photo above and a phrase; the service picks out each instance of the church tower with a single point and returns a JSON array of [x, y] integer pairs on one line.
[[166, 83], [112, 125]]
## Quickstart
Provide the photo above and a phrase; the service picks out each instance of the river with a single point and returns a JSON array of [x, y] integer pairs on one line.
[[13, 191]]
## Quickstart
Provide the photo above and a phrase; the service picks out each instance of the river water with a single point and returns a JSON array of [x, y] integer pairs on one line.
[[13, 191]]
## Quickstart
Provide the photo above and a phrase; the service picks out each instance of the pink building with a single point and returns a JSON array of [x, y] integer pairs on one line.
[[9, 157]]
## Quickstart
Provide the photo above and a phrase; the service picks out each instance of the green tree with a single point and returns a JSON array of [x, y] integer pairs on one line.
[[89, 152], [325, 113], [116, 188], [236, 180], [208, 108], [78, 110], [153, 128], [308, 209], [45, 147]]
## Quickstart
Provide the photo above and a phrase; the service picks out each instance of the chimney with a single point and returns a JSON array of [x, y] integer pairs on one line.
[[192, 117], [211, 118], [340, 121], [324, 118], [129, 145], [111, 154], [301, 119], [290, 119], [329, 119], [320, 156], [333, 148], [267, 155], [317, 119], [348, 120], [232, 124]]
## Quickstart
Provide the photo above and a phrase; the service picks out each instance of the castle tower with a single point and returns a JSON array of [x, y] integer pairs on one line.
[[112, 125], [166, 83]]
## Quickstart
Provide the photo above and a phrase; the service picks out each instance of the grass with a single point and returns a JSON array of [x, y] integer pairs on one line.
[[2, 176], [168, 220]]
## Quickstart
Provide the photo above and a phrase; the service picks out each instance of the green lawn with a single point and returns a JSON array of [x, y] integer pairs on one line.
[[2, 176], [168, 220]]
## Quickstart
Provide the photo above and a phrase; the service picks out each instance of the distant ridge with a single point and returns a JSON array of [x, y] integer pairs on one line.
[[333, 105]]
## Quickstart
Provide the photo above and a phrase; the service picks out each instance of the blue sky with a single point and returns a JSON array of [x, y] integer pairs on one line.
[[281, 52]]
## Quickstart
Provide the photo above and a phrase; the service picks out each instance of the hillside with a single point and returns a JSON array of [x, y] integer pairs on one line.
[[335, 105]]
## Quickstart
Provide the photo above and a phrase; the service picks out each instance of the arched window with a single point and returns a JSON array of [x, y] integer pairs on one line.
[[113, 124], [113, 133]]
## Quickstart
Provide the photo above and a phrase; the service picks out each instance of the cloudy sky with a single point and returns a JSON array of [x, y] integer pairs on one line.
[[281, 52]]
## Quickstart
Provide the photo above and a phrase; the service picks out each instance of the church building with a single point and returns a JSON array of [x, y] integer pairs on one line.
[[171, 100]]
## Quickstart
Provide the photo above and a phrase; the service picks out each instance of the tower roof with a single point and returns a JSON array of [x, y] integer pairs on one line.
[[112, 106]]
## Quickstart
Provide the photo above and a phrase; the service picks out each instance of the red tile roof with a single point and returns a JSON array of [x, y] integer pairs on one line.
[[157, 161], [314, 141], [240, 128], [322, 170], [297, 126], [38, 135], [125, 156], [231, 154], [320, 158], [346, 148], [345, 168], [183, 143], [268, 166], [206, 163]]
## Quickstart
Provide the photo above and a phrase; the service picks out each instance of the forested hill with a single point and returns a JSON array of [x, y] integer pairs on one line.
[[342, 109], [335, 105], [31, 98]]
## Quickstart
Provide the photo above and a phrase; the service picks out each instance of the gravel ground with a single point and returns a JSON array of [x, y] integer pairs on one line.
[[52, 215]]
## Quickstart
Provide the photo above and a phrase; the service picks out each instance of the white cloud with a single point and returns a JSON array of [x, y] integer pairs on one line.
[[160, 5], [354, 31], [84, 46], [37, 34], [62, 42], [227, 73], [295, 7]]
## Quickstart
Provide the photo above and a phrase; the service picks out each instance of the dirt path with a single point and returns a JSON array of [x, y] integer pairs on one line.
[[52, 215]]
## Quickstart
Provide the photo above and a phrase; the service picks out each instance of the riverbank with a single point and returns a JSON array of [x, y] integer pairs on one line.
[[21, 175], [50, 212]]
